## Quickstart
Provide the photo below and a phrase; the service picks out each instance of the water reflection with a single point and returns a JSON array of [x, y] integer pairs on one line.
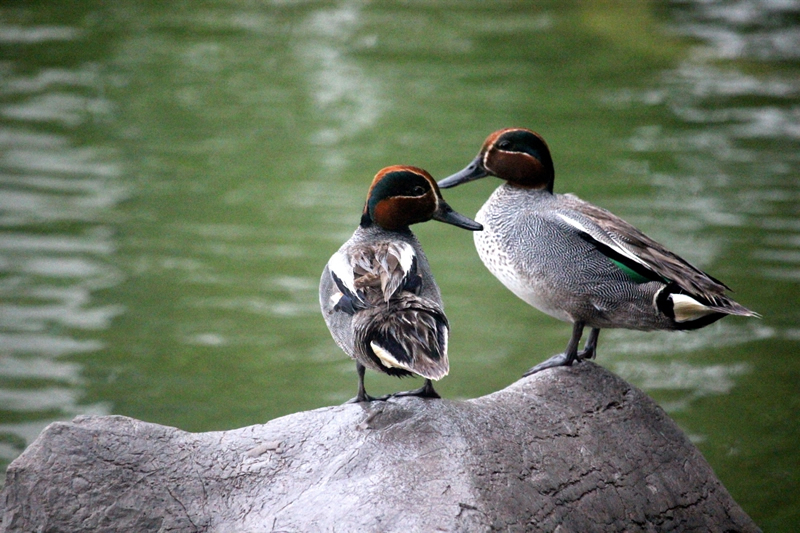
[[747, 29], [36, 34], [55, 196], [692, 382], [347, 99], [727, 334]]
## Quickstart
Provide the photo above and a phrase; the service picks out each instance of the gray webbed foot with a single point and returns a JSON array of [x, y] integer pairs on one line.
[[590, 348], [362, 395], [571, 354], [561, 359], [426, 391], [368, 398]]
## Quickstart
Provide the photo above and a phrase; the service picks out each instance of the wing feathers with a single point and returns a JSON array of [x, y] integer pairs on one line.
[[639, 249], [342, 272], [411, 333], [395, 329], [695, 294], [388, 266]]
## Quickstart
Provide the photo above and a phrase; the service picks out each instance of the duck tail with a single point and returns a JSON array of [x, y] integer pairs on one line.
[[692, 311], [410, 336]]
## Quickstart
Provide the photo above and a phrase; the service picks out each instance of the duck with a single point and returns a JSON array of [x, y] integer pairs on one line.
[[578, 262], [377, 293]]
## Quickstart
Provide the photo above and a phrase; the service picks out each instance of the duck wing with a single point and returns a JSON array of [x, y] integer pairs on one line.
[[348, 299], [389, 267], [366, 275], [634, 250]]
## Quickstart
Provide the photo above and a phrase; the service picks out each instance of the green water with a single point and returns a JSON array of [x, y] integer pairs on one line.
[[174, 176]]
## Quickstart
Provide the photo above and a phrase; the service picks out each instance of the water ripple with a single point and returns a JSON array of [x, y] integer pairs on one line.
[[731, 332], [347, 97], [37, 34], [56, 194], [40, 368], [691, 381], [755, 29]]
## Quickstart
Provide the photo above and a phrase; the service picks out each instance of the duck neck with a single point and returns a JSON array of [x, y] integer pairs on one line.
[[544, 189], [366, 220], [370, 225]]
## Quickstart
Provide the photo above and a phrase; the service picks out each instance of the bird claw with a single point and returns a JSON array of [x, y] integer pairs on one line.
[[561, 359], [426, 391], [368, 398]]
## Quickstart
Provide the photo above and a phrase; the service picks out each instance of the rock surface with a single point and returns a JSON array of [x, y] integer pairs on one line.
[[571, 449]]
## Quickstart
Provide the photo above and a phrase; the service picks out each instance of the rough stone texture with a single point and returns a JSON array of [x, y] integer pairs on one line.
[[569, 450]]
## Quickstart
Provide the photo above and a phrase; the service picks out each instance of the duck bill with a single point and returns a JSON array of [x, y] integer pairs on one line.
[[445, 213], [475, 170]]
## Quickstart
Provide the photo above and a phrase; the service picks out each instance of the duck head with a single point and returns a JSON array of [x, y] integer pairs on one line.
[[517, 155], [401, 195]]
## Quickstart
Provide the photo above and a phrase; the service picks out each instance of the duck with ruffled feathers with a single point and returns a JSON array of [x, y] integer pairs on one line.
[[578, 262], [377, 293]]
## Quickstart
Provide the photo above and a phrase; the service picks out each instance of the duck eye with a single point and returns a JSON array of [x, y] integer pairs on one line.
[[418, 190], [504, 144]]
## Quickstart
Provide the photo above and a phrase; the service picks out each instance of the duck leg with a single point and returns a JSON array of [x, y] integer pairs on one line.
[[569, 356], [362, 395], [426, 391], [590, 348]]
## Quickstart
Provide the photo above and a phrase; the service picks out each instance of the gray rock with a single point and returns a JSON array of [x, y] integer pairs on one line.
[[570, 450]]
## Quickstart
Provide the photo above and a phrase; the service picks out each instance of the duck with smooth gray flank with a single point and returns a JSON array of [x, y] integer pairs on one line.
[[578, 262], [377, 293]]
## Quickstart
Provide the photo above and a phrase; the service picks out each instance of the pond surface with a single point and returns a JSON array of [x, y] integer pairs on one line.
[[174, 176]]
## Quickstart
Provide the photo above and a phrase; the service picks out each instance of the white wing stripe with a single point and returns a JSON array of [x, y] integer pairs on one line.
[[406, 257], [340, 266], [605, 238], [386, 357]]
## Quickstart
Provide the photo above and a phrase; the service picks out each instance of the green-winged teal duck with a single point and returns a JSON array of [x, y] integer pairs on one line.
[[578, 262], [377, 293]]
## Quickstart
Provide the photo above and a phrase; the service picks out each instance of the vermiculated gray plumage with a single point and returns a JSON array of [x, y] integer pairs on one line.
[[544, 248], [654, 256]]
